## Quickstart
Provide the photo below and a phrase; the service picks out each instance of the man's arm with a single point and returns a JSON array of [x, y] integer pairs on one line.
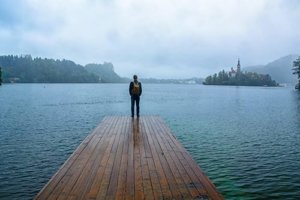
[[140, 89], [130, 88]]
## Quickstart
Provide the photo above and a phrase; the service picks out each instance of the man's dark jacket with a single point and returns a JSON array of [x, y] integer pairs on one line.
[[131, 88]]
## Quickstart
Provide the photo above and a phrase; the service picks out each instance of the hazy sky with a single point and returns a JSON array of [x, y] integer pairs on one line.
[[153, 38]]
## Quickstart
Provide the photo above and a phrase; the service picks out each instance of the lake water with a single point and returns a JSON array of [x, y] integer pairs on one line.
[[246, 139]]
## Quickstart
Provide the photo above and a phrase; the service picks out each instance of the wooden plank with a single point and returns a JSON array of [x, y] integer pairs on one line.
[[113, 183], [125, 158], [186, 173], [150, 156], [53, 182], [200, 181], [109, 165], [176, 183], [96, 182], [173, 161], [163, 186], [81, 189], [74, 174], [168, 176], [138, 149], [146, 154], [83, 182], [130, 177], [163, 182], [121, 188]]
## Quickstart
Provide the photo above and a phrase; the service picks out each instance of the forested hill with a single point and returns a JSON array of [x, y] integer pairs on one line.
[[280, 69], [105, 72], [25, 69]]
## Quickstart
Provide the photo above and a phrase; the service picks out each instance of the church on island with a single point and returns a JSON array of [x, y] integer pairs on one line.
[[238, 78], [233, 72]]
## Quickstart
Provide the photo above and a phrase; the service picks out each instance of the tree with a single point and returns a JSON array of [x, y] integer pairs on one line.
[[208, 81], [296, 68], [24, 69]]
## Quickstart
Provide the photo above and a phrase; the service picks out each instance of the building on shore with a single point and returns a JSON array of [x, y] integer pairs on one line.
[[236, 71]]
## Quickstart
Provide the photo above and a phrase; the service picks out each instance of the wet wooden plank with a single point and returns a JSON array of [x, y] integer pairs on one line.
[[126, 158], [121, 188], [189, 177], [138, 153], [180, 175], [56, 180]]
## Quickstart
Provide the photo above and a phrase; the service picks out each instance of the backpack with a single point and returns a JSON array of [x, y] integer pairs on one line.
[[136, 88]]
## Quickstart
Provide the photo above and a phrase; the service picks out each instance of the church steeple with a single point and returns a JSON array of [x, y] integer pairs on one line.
[[238, 67]]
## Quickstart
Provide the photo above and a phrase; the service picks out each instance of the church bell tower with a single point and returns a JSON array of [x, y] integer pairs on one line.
[[238, 67]]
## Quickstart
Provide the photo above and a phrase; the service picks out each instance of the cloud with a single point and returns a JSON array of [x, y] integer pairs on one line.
[[169, 38]]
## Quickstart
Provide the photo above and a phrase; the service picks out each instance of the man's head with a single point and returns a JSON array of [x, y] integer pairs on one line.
[[135, 77]]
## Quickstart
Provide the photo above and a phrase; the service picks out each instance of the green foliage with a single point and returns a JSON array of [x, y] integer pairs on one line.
[[240, 79], [296, 68], [24, 69]]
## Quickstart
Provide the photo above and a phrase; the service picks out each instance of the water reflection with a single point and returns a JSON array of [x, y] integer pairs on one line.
[[136, 132]]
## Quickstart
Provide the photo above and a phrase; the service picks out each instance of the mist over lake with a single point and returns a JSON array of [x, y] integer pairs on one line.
[[246, 139], [224, 77]]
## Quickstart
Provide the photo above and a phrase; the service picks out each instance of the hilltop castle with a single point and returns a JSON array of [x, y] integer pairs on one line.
[[233, 72]]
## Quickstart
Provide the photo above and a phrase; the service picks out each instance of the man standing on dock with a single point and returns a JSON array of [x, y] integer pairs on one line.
[[135, 91]]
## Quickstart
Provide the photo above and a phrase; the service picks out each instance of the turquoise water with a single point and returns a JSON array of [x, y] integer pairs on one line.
[[246, 139]]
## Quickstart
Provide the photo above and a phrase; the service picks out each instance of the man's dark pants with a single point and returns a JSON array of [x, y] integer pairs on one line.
[[136, 99]]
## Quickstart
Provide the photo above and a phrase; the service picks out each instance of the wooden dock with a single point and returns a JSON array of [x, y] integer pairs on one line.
[[125, 158]]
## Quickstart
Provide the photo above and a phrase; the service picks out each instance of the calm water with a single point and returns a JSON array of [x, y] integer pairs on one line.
[[246, 139]]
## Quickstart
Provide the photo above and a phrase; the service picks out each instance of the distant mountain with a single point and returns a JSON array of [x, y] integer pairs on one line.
[[105, 72], [280, 69], [174, 81]]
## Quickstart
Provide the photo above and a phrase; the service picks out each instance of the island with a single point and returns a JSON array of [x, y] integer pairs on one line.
[[236, 77]]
